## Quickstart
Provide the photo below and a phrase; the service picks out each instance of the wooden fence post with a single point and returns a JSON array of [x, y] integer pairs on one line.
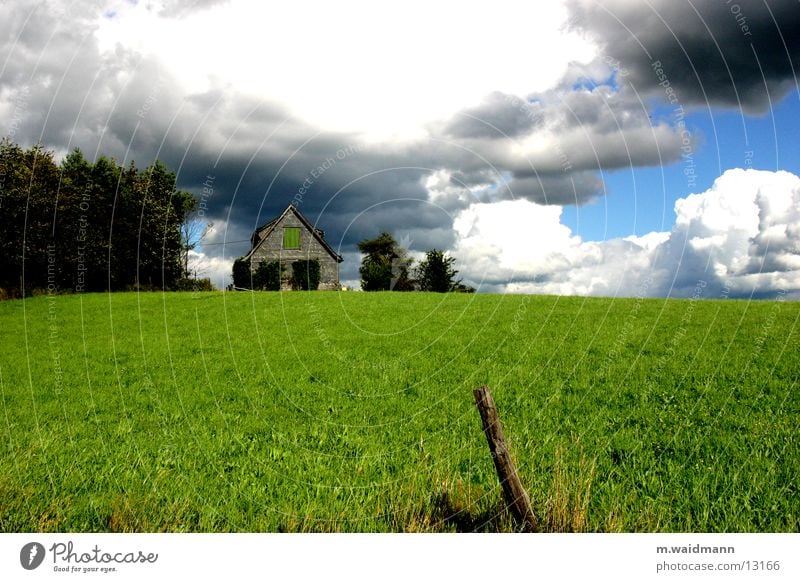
[[516, 497]]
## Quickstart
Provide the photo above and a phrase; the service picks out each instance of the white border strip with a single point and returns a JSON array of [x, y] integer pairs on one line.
[[387, 557]]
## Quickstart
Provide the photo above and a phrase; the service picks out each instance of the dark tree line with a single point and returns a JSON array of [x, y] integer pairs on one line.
[[83, 226], [386, 266]]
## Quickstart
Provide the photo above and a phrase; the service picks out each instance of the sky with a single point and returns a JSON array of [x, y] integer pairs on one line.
[[584, 147]]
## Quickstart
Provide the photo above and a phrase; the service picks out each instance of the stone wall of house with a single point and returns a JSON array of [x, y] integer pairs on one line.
[[310, 248]]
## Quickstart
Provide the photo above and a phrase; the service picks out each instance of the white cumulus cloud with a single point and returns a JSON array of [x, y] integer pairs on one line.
[[740, 238]]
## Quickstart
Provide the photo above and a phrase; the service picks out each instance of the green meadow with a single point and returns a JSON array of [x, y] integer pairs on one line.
[[323, 411]]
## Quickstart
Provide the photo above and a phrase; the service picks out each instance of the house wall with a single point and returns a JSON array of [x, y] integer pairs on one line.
[[272, 249]]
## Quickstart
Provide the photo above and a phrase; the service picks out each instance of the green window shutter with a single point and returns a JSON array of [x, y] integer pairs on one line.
[[291, 238]]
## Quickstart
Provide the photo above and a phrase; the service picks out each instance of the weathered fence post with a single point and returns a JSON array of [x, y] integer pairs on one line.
[[515, 494]]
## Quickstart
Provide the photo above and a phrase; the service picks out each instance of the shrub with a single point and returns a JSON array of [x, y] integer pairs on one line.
[[267, 276], [187, 284], [242, 277], [305, 275]]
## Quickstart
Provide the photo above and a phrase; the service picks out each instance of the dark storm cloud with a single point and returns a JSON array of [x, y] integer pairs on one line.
[[350, 193], [585, 129], [573, 188], [499, 116], [54, 59], [717, 52]]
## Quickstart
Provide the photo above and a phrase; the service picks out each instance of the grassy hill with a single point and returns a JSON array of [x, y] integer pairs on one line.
[[354, 412]]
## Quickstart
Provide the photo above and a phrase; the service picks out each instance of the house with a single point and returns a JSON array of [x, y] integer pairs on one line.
[[291, 237]]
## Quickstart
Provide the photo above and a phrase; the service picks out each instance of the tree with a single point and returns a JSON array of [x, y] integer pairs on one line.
[[401, 272], [29, 182], [385, 266], [163, 210], [193, 230], [436, 272]]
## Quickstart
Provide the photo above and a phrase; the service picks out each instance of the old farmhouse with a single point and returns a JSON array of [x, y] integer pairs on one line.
[[291, 237]]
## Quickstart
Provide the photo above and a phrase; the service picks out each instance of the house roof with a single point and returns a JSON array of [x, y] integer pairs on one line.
[[263, 231]]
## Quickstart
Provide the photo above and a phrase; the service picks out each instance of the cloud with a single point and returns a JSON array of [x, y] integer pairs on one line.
[[183, 8], [740, 238], [215, 268], [522, 247], [735, 54], [354, 66], [567, 188], [499, 116], [551, 146], [741, 235]]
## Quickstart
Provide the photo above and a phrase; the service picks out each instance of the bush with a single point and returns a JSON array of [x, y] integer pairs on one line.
[[267, 276], [461, 288], [305, 275], [242, 277], [187, 284], [203, 284]]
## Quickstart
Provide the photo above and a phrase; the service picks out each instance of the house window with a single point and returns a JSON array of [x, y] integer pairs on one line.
[[291, 238]]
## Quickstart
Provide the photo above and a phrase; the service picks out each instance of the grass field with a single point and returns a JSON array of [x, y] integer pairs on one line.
[[354, 412]]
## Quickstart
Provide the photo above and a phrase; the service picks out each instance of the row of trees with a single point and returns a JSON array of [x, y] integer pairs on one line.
[[86, 226], [386, 266]]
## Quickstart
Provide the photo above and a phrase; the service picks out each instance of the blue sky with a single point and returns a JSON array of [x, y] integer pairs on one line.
[[641, 200]]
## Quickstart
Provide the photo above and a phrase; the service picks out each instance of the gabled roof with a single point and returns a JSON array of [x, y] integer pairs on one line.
[[263, 231]]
